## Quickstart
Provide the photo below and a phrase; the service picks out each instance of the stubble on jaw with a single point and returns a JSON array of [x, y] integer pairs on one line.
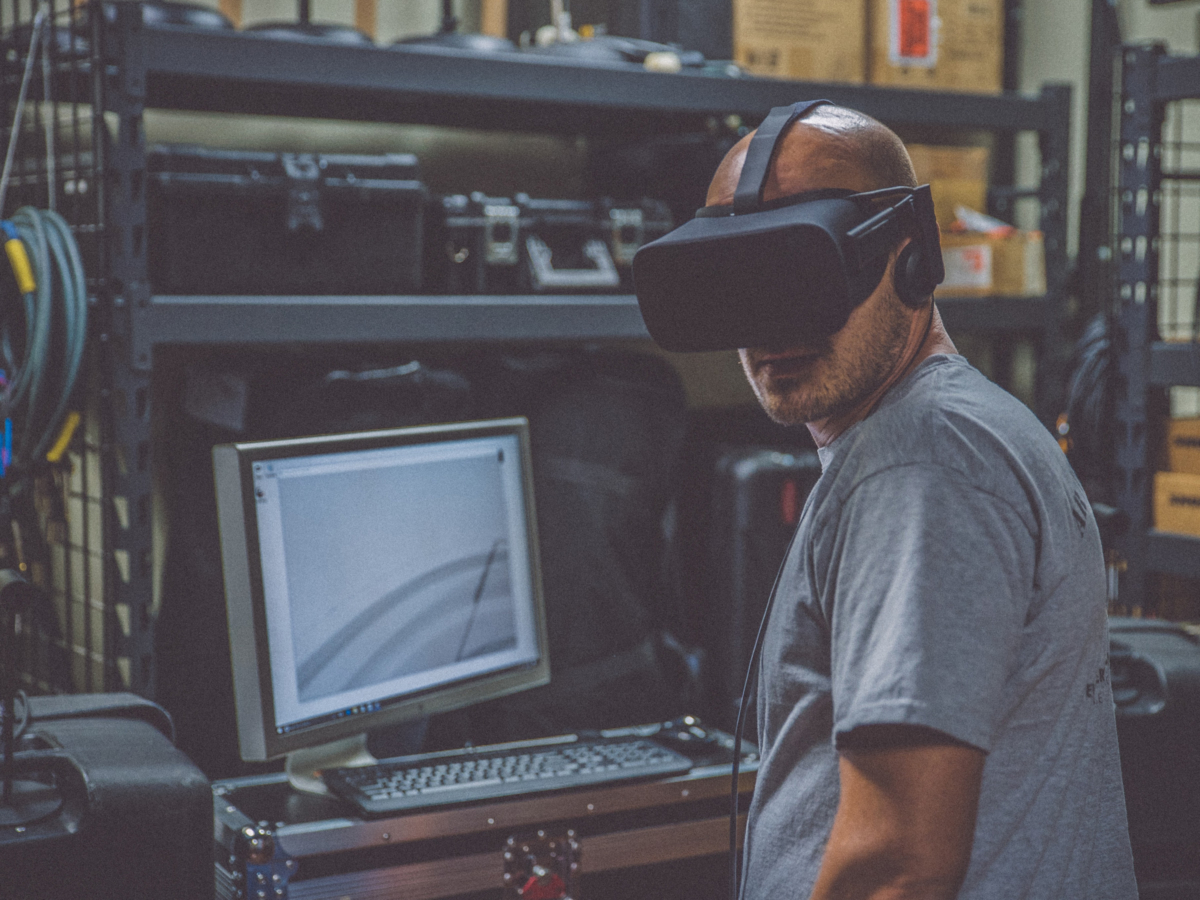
[[842, 374]]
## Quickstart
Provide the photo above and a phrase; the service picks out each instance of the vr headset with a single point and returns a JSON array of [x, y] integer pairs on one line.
[[777, 273]]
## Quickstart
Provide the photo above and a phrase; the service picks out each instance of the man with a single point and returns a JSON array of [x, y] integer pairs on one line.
[[935, 718]]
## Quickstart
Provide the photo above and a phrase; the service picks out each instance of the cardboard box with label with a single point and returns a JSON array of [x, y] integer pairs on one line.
[[807, 40], [1177, 502], [1183, 445], [948, 45], [983, 265], [957, 176]]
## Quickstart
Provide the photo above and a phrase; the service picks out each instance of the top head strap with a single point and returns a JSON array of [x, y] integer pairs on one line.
[[726, 209], [747, 196]]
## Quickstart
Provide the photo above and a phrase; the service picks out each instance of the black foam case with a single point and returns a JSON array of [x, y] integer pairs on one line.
[[237, 222], [136, 819]]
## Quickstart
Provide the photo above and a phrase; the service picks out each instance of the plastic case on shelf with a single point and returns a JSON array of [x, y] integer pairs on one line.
[[499, 245], [238, 222]]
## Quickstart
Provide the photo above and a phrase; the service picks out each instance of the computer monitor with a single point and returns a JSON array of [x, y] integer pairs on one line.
[[376, 578]]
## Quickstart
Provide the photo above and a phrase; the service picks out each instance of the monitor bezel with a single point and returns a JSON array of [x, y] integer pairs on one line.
[[246, 603]]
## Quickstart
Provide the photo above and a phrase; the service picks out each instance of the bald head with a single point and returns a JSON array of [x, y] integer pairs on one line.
[[831, 147]]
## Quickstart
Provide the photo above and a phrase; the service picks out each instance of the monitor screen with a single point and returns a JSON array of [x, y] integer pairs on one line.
[[377, 577]]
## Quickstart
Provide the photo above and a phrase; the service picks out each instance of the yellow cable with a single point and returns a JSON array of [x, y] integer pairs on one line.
[[70, 423], [19, 260]]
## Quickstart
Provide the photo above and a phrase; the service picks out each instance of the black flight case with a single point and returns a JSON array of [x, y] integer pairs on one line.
[[665, 838], [103, 805], [1155, 677], [239, 222], [498, 245]]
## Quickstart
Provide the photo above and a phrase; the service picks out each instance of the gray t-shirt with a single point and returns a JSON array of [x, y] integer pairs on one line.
[[947, 572]]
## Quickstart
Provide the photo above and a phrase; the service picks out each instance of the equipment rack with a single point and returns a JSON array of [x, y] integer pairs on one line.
[[1145, 363], [134, 66]]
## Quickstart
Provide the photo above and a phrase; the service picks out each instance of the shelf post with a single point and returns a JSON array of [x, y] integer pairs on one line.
[[126, 296], [1054, 143], [1135, 306]]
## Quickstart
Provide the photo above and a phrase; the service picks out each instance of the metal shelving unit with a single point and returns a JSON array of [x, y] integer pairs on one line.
[[1151, 80], [134, 66]]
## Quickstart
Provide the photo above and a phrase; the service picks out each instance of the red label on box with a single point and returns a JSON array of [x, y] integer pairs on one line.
[[914, 23], [977, 259]]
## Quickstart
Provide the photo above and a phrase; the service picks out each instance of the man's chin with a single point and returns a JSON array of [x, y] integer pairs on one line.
[[786, 410], [795, 406]]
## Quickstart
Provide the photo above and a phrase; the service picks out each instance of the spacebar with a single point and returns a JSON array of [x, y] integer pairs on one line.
[[465, 792], [465, 786]]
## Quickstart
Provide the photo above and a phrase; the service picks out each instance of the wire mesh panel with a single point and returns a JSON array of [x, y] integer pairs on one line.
[[1179, 261], [1156, 336], [53, 512]]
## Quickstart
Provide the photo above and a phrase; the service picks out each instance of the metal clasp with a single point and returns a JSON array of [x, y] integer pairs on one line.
[[501, 224], [303, 191], [628, 233]]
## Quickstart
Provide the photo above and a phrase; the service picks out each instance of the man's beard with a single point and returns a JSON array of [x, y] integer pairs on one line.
[[847, 380]]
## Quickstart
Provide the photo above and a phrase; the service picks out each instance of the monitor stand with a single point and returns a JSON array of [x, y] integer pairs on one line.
[[303, 767]]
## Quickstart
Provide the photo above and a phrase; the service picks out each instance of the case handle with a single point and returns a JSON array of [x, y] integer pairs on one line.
[[546, 277]]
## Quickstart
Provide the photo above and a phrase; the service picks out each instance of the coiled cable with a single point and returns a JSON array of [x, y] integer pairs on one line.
[[43, 354]]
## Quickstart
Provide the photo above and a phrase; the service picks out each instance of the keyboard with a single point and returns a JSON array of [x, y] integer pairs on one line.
[[464, 776]]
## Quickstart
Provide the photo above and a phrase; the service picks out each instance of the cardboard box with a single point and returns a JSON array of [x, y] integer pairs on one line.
[[807, 40], [1183, 445], [948, 45], [957, 176], [1177, 502], [983, 265]]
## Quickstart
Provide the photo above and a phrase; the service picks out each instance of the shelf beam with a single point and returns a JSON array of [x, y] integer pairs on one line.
[[190, 69], [183, 319], [1173, 554], [173, 319], [1175, 364], [1008, 314], [1178, 78]]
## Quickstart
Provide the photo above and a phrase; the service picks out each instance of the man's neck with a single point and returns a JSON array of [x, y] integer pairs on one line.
[[927, 337]]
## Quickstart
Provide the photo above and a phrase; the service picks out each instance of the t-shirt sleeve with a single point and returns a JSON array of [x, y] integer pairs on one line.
[[928, 584]]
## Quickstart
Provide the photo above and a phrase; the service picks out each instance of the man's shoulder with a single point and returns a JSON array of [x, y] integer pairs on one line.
[[944, 407], [949, 417]]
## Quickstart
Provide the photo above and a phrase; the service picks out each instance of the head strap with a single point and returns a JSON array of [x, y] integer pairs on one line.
[[748, 195]]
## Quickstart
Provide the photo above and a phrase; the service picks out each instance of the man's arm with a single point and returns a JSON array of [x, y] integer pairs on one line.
[[906, 819]]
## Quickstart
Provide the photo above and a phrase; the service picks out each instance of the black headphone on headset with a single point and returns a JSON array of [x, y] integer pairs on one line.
[[912, 279]]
